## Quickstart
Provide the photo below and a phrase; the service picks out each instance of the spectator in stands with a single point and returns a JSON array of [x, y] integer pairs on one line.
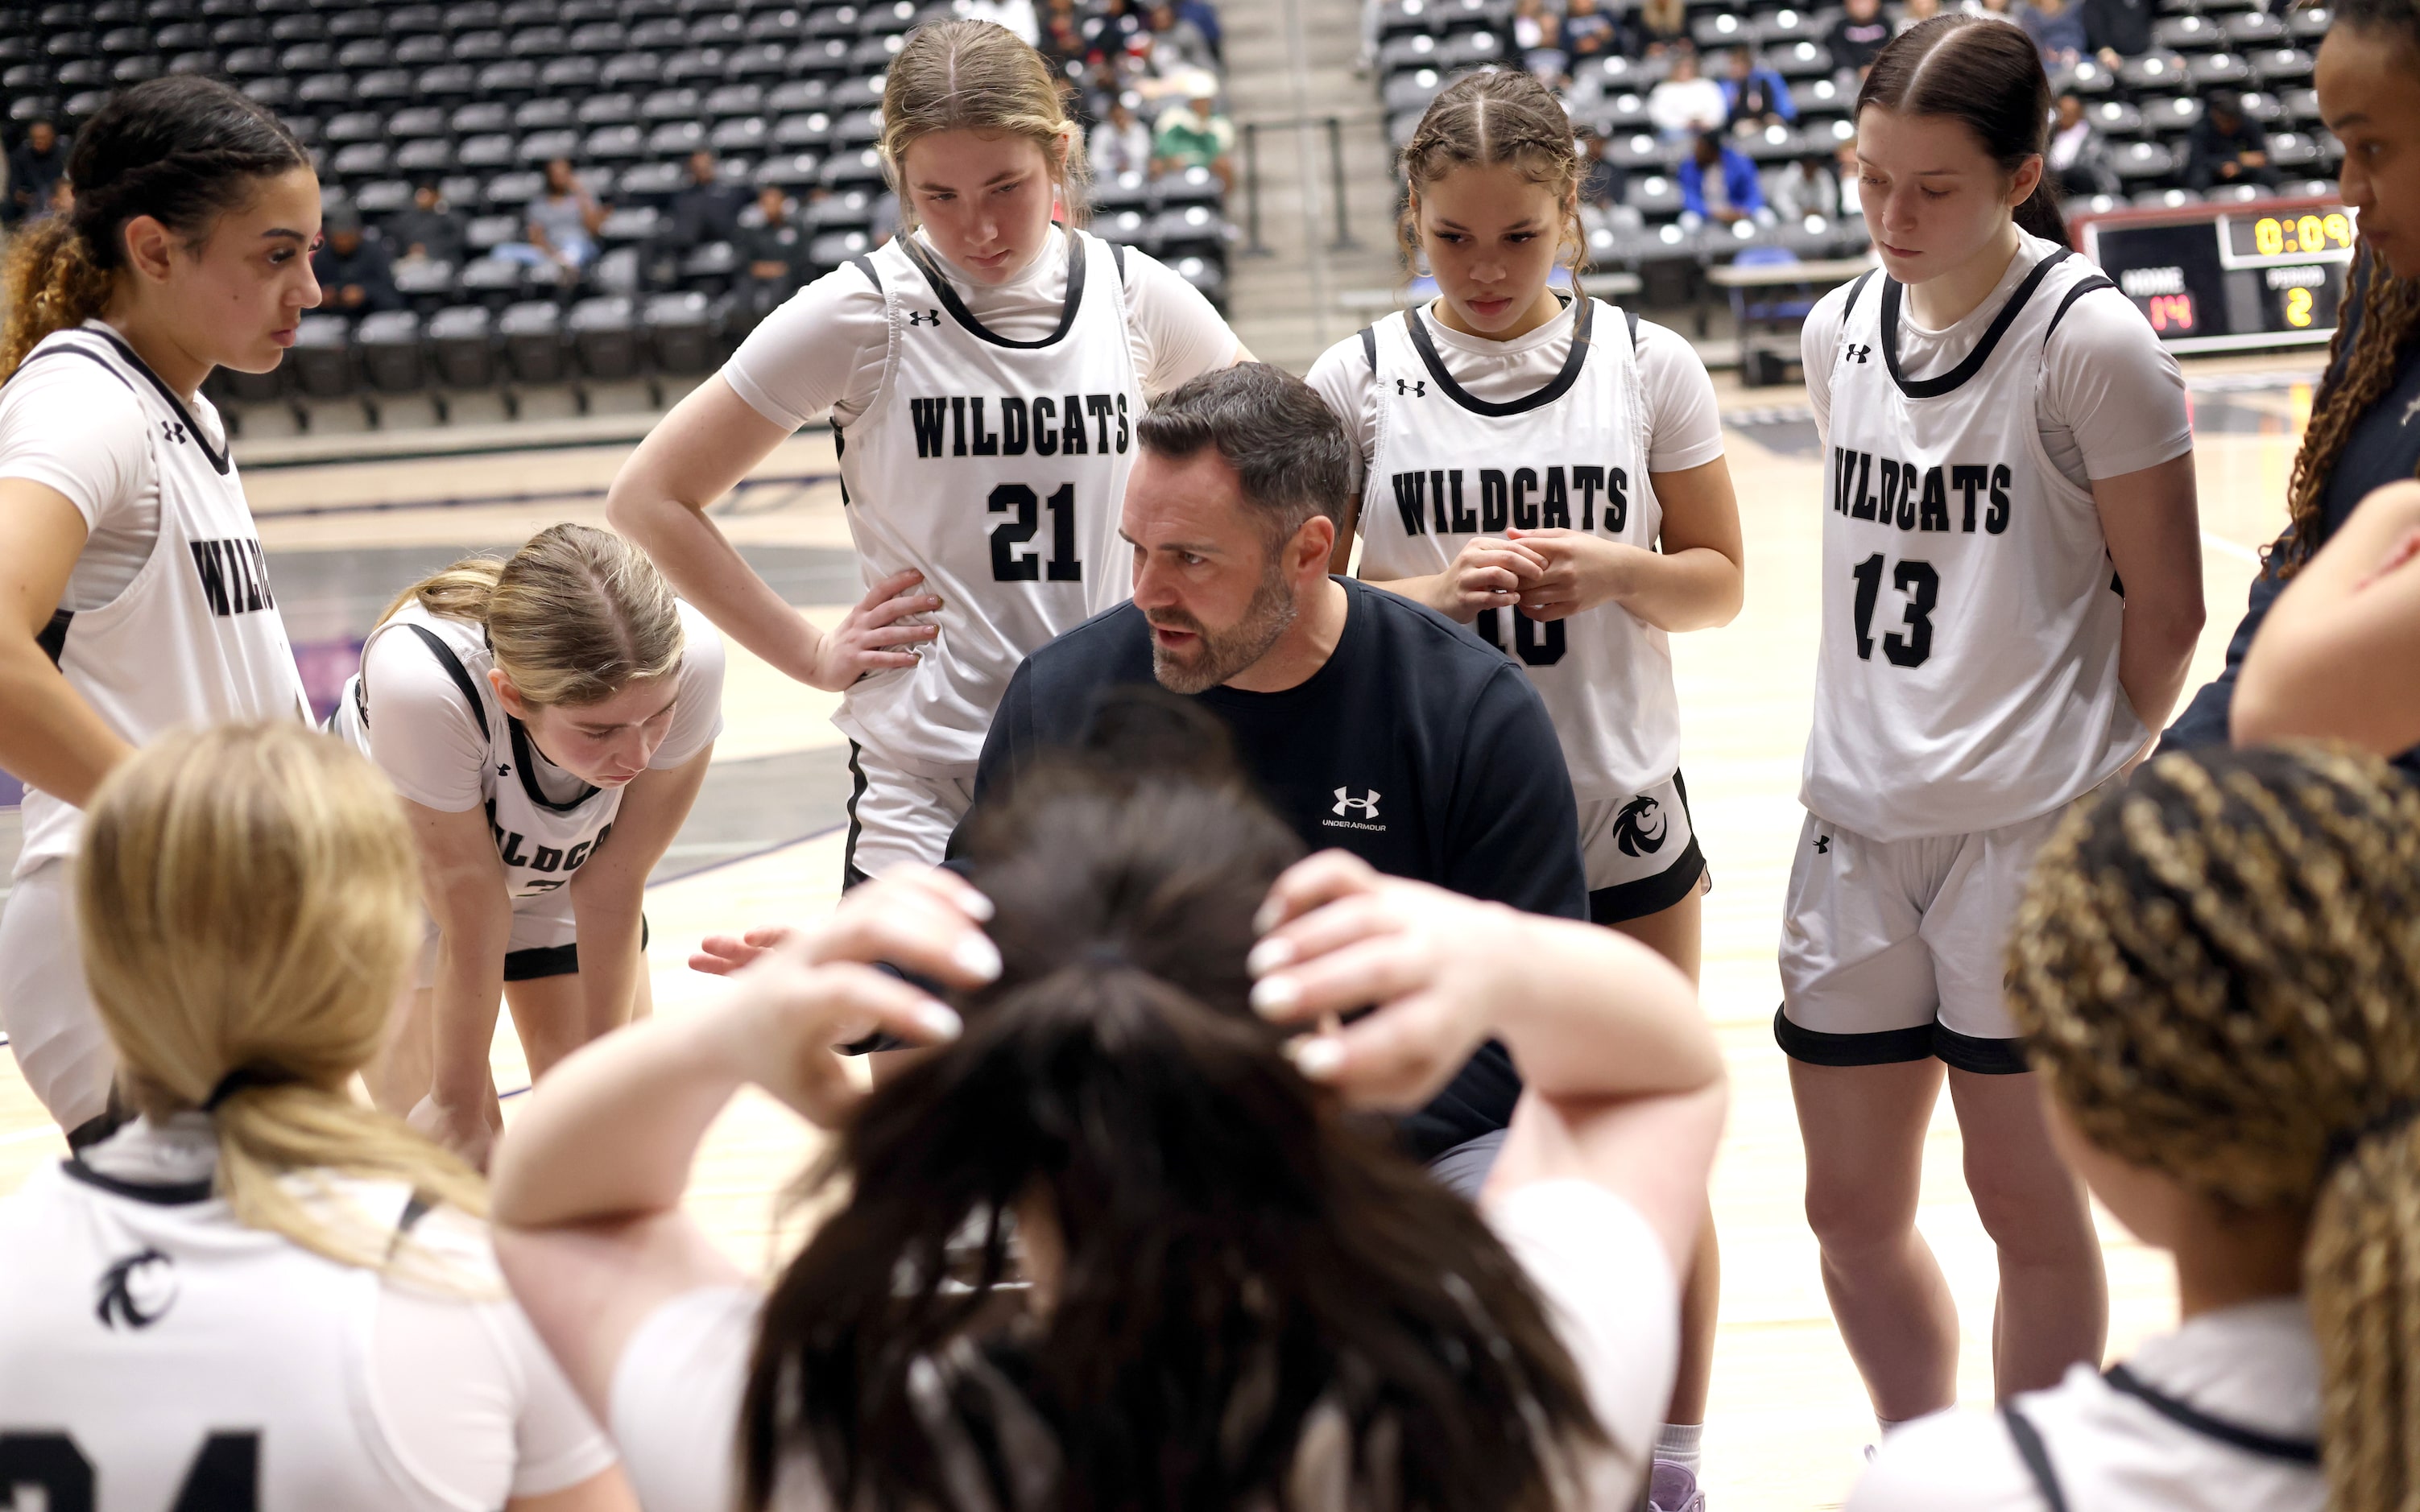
[[1105, 35], [2000, 9], [563, 224], [356, 274], [705, 209], [1661, 26], [2226, 147], [1858, 36], [772, 251], [1603, 184], [1204, 17], [1121, 144], [1176, 40], [1686, 104], [1802, 188], [1589, 33], [1537, 36], [2116, 30], [432, 230], [2057, 30], [1916, 14], [2077, 155], [35, 167], [1719, 182], [1063, 36], [1757, 96], [1197, 135]]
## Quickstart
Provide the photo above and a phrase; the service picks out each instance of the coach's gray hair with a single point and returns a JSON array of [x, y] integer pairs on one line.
[[1287, 448]]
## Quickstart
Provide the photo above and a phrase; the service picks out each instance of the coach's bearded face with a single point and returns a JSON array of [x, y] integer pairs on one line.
[[1188, 657], [1206, 576]]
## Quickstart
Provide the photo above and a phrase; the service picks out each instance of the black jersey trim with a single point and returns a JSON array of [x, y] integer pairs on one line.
[[218, 459], [1554, 389], [2293, 1451], [947, 293], [53, 638], [454, 669], [523, 762], [2036, 1455], [1876, 1047], [1370, 346], [1849, 305], [1117, 255], [1976, 1054], [1933, 388], [2079, 291], [1630, 317], [159, 1194]]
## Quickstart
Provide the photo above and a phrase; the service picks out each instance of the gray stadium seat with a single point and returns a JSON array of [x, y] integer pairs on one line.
[[463, 339], [680, 333], [389, 345], [604, 332], [323, 361], [532, 337]]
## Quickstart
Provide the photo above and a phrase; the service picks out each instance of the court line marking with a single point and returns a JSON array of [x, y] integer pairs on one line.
[[796, 480], [2230, 549]]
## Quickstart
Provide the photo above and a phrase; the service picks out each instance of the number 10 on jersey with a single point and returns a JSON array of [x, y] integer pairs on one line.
[[1013, 558]]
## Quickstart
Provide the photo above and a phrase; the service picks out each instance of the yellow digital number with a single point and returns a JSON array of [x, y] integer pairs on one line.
[[2307, 236], [2267, 236], [2298, 307], [2339, 229]]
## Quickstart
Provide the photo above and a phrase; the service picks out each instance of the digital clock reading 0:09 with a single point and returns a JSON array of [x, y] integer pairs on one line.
[[2283, 236]]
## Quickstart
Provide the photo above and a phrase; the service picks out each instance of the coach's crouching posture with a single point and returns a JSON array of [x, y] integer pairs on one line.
[[1370, 722]]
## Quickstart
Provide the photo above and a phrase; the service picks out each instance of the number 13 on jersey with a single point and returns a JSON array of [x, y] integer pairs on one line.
[[1910, 645], [1013, 557]]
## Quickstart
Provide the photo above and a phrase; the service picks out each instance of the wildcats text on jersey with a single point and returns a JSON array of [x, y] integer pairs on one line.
[[515, 850], [956, 425], [1431, 503], [1890, 492], [234, 576]]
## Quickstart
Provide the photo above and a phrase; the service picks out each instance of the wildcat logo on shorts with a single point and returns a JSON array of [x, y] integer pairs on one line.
[[137, 1290], [1639, 828]]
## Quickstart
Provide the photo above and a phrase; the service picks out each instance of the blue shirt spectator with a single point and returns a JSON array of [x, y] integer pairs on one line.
[[1756, 95], [1730, 193], [2057, 30]]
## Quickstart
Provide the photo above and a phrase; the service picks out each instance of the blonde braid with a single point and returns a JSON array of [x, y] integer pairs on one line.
[[2217, 967]]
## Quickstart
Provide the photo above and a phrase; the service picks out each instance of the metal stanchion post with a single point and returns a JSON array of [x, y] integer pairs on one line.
[[1346, 240], [1253, 245]]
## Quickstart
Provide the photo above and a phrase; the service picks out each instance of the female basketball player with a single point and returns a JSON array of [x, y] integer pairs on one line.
[[547, 720], [1238, 1299], [2216, 971], [135, 596], [2012, 588], [984, 371], [2362, 436], [1551, 472], [260, 1293]]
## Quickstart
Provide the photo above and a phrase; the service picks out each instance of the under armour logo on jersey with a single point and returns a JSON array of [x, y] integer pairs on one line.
[[173, 429], [1639, 828], [1366, 806], [923, 318], [1855, 353], [137, 1290], [1822, 844], [504, 771], [1416, 388], [2409, 410]]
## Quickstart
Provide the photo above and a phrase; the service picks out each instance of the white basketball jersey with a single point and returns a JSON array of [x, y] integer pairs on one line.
[[1967, 677], [1446, 467], [159, 1355], [195, 637], [997, 468], [546, 822]]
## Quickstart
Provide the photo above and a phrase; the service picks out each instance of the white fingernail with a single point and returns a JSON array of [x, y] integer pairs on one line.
[[1268, 955], [1317, 1059], [979, 907], [1267, 920], [939, 1023], [978, 955], [1272, 995]]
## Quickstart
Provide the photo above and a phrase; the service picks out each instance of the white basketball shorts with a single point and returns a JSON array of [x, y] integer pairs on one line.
[[898, 817], [1896, 950], [52, 1029], [1640, 852]]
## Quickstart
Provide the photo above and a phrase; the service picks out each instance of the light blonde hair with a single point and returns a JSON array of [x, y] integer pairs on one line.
[[574, 616], [978, 76], [1496, 118], [2216, 968], [247, 900]]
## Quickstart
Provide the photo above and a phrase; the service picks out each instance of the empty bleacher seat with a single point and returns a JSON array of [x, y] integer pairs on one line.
[[514, 190], [2152, 70], [2115, 117], [2187, 34], [2293, 149], [533, 338], [2278, 66], [604, 332], [324, 361], [2140, 162], [492, 281], [2166, 199], [2218, 71], [2171, 116], [426, 283], [680, 333], [390, 346], [385, 197]]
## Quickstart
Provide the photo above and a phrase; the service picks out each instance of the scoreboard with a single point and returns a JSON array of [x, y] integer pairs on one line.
[[2228, 277]]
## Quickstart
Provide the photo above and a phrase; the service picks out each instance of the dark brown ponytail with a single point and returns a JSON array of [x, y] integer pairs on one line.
[[1985, 73], [183, 150]]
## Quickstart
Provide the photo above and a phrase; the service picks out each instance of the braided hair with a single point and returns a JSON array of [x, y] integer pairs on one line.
[[183, 150], [2217, 969], [1490, 118], [2361, 368]]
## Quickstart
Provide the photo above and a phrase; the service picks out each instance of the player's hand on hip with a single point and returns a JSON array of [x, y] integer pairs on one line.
[[1487, 573], [818, 988], [873, 636], [1342, 936]]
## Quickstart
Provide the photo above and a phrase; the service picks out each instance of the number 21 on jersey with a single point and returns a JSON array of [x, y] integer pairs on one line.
[[1013, 557]]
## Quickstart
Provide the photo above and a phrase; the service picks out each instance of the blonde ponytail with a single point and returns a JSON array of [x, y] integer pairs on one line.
[[575, 616], [51, 282], [247, 900]]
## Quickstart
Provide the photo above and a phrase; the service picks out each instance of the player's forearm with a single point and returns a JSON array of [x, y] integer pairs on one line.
[[50, 737], [608, 921], [2155, 647], [1695, 588], [1430, 591], [468, 990], [1589, 1013], [706, 569]]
